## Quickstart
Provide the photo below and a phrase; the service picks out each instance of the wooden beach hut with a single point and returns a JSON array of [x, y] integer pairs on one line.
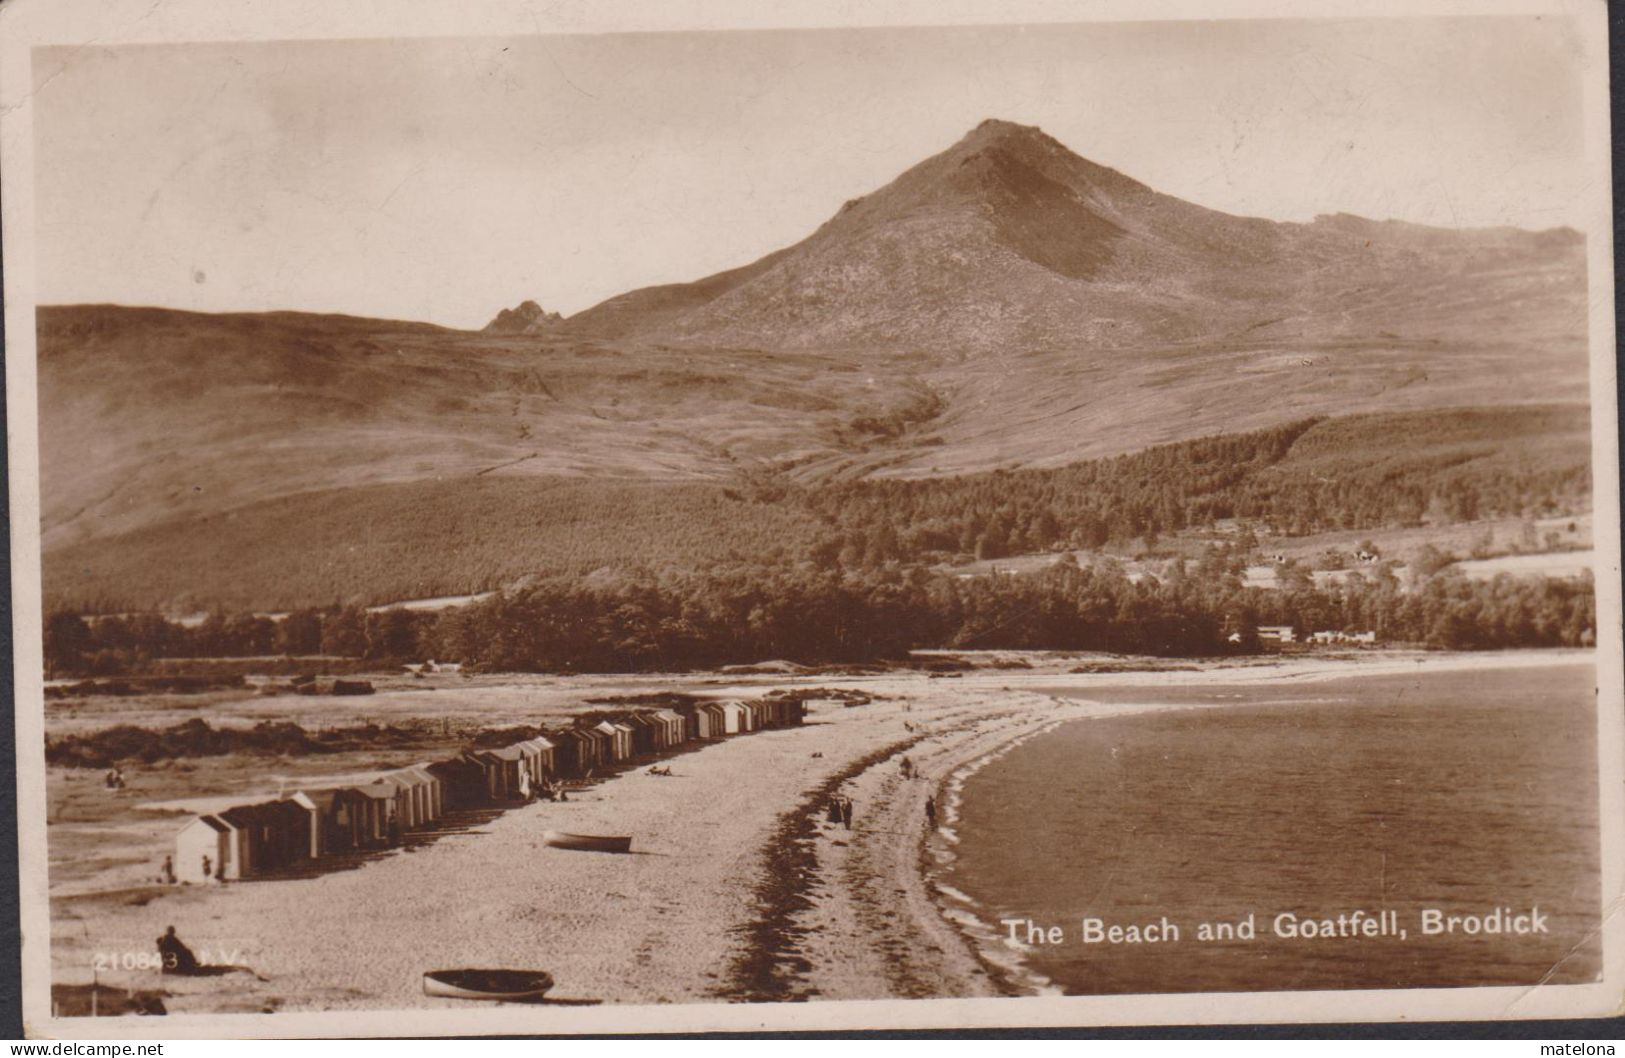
[[566, 753], [699, 719], [514, 779], [538, 759], [201, 849], [716, 719], [490, 767], [607, 739], [404, 811], [417, 801], [462, 783], [620, 740], [579, 750], [381, 823], [433, 787], [503, 771], [646, 734], [337, 817], [719, 718], [550, 766], [733, 718], [677, 730], [266, 836]]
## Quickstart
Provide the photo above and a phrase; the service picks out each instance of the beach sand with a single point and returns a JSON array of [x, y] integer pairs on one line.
[[736, 887]]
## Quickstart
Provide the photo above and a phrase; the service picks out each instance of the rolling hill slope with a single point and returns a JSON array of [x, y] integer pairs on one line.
[[1003, 304]]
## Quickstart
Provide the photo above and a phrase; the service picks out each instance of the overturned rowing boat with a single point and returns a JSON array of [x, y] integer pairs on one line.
[[512, 986], [586, 842]]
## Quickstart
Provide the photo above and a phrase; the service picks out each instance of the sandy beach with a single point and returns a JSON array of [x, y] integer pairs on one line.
[[737, 888]]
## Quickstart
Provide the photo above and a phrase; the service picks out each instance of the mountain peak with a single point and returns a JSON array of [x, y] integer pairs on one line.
[[527, 317], [999, 128], [1008, 239], [1006, 135]]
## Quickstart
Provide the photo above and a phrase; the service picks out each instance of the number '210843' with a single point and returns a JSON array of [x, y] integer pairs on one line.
[[147, 960]]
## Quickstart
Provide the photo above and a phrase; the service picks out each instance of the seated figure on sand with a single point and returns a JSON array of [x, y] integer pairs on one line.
[[174, 956]]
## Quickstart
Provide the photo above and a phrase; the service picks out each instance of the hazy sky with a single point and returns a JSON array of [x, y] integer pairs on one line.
[[443, 179]]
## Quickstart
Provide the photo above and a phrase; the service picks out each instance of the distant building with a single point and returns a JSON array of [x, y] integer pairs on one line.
[[1277, 633], [1327, 638]]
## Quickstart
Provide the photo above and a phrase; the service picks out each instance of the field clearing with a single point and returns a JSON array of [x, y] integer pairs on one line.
[[439, 602], [1265, 577], [1498, 534], [1571, 534], [1560, 564]]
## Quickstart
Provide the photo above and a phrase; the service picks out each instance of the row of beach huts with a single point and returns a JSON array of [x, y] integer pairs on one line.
[[309, 824]]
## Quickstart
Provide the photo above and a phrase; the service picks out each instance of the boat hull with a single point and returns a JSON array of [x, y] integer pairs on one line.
[[558, 839], [512, 986]]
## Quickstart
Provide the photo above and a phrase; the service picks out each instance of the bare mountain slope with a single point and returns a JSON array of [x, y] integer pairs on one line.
[[1004, 303], [1008, 242]]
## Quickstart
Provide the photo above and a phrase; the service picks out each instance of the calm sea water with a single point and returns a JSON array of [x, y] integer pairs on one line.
[[1461, 792]]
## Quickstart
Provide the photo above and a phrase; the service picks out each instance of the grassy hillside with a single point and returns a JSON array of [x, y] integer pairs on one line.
[[151, 415], [384, 542], [410, 540]]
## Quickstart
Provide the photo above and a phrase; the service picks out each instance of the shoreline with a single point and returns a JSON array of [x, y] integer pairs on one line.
[[737, 889], [969, 959]]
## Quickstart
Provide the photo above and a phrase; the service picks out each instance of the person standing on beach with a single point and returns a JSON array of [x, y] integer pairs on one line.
[[846, 812], [931, 810]]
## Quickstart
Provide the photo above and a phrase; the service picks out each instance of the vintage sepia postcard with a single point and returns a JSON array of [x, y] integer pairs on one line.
[[616, 517]]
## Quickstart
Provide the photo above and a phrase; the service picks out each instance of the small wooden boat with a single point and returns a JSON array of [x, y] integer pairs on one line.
[[511, 986], [586, 842]]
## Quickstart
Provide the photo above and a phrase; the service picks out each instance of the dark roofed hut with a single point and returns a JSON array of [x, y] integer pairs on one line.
[[513, 771], [567, 746], [677, 726], [270, 835], [580, 750], [603, 742], [538, 759], [419, 799], [607, 741], [492, 773], [620, 740], [717, 717], [379, 824], [462, 782], [699, 719], [647, 738], [337, 819]]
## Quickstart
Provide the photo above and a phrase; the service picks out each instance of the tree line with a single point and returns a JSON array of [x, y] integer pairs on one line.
[[664, 620], [1310, 476]]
